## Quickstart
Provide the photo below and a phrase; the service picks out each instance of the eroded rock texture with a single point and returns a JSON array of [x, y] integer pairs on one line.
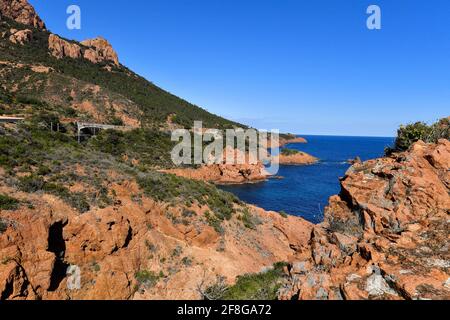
[[21, 11], [386, 236]]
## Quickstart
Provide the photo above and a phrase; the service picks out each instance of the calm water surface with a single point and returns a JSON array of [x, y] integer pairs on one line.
[[305, 190]]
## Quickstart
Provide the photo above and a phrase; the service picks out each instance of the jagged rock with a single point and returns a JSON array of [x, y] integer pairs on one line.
[[21, 11], [60, 48], [386, 236], [53, 252], [20, 36], [100, 50]]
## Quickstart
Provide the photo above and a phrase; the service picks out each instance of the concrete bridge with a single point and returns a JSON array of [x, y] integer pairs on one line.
[[98, 126], [10, 119]]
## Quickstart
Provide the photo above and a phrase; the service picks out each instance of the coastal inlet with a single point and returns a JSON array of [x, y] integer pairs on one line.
[[304, 190]]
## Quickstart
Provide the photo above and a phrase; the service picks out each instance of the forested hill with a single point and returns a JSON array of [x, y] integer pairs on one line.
[[36, 66]]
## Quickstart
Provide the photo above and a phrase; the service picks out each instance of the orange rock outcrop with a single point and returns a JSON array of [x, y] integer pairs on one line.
[[20, 36], [299, 158], [386, 236], [61, 48], [100, 50], [21, 11]]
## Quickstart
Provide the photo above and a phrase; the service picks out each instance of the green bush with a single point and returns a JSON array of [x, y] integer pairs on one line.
[[35, 183], [260, 286], [214, 222], [411, 133], [8, 203], [116, 122], [76, 200], [151, 147], [147, 278], [283, 214], [289, 152], [31, 184], [407, 135], [249, 221]]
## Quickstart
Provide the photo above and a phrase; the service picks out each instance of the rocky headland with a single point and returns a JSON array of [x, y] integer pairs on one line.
[[99, 220], [385, 236], [294, 157]]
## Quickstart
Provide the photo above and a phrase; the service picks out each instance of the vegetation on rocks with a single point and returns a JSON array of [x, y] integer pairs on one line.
[[259, 286], [8, 203], [44, 158], [147, 278], [155, 104], [150, 147], [289, 152], [411, 133]]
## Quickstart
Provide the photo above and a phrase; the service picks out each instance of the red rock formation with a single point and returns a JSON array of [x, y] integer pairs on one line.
[[250, 171], [386, 236], [60, 48], [45, 247], [299, 158], [20, 36], [100, 50], [21, 11], [224, 173]]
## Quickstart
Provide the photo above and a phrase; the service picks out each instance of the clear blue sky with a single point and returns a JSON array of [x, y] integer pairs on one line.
[[308, 67]]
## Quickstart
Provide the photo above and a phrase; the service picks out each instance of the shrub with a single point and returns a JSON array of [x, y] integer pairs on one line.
[[147, 278], [3, 226], [170, 188], [248, 219], [259, 286], [78, 201], [8, 203], [411, 133], [216, 291], [43, 170], [116, 121], [31, 184], [187, 261], [283, 214], [407, 135], [289, 152], [34, 183], [214, 222]]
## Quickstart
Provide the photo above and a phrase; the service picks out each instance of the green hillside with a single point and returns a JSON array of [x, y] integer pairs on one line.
[[153, 103]]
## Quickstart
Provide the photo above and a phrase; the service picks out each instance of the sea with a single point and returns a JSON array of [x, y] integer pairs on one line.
[[305, 190]]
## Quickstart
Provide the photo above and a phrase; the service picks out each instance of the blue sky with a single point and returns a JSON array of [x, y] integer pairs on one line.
[[308, 67]]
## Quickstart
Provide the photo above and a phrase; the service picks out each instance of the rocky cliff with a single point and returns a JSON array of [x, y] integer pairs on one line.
[[21, 11], [60, 48], [100, 50], [386, 236], [96, 50], [133, 250]]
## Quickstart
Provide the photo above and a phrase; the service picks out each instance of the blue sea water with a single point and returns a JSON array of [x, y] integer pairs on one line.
[[305, 190]]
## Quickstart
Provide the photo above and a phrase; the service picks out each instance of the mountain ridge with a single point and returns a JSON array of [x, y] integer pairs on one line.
[[93, 61]]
